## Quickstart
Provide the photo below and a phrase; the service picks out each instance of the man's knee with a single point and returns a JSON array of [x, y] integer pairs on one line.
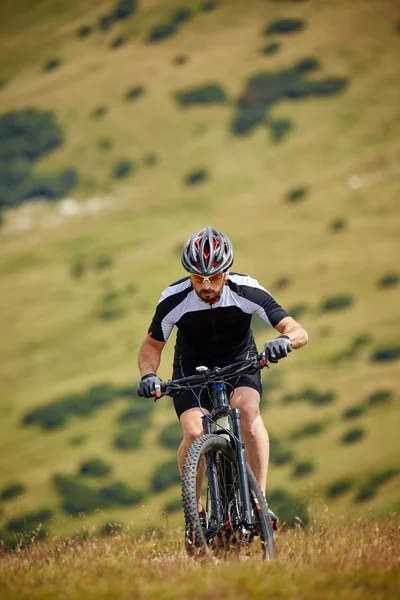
[[192, 426]]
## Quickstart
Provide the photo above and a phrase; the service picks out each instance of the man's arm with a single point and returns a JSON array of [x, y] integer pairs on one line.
[[150, 356], [294, 330]]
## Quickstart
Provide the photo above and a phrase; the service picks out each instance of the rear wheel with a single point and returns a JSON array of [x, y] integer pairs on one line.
[[212, 502]]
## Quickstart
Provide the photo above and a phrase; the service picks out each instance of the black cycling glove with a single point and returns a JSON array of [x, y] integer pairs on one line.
[[277, 348], [149, 385]]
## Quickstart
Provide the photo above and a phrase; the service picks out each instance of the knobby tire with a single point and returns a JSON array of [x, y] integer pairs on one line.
[[201, 534]]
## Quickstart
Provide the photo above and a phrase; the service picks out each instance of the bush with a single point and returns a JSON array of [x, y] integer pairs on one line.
[[173, 505], [139, 411], [284, 26], [370, 487], [110, 308], [302, 468], [161, 32], [119, 493], [105, 22], [123, 168], [307, 430], [102, 262], [338, 302], [134, 92], [379, 397], [279, 129], [96, 467], [179, 60], [129, 438], [282, 283], [297, 194], [197, 176], [329, 86], [109, 529], [270, 48], [124, 9], [366, 492], [279, 454], [118, 41], [104, 144], [12, 491], [77, 496], [339, 487], [78, 267], [51, 187], [209, 5], [150, 160], [354, 411], [337, 225], [99, 112], [171, 436], [181, 15], [211, 93], [291, 510], [297, 310], [84, 31], [311, 395], [353, 435], [51, 64], [29, 522], [389, 280], [165, 476], [386, 354], [306, 65]]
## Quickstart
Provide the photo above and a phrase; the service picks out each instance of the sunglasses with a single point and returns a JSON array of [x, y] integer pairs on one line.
[[211, 279]]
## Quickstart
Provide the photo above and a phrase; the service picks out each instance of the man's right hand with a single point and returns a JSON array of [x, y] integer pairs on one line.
[[149, 385]]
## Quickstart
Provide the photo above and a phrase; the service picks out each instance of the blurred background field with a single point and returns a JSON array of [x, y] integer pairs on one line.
[[277, 122]]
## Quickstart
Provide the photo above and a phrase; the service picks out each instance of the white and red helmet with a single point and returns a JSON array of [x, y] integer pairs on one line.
[[207, 252]]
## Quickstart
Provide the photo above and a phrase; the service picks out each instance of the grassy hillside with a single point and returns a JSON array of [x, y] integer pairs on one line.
[[79, 281]]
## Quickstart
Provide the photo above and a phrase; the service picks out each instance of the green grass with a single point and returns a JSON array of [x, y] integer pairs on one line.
[[52, 342]]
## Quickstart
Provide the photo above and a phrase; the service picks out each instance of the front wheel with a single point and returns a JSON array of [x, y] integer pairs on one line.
[[214, 518]]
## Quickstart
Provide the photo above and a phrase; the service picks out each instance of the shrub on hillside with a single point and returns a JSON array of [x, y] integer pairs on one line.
[[311, 395], [197, 176], [338, 302], [77, 496], [110, 528], [84, 31], [96, 467], [209, 5], [139, 410], [339, 487], [104, 261], [307, 65], [130, 438], [12, 490], [296, 194], [179, 60], [389, 280], [302, 468], [78, 267], [354, 411], [337, 225], [297, 310], [165, 476], [104, 144], [124, 9], [353, 435], [120, 494], [123, 168], [110, 307], [51, 64], [181, 15], [282, 282], [308, 430], [371, 486], [29, 522], [379, 397], [105, 22], [173, 505], [279, 453], [134, 92], [99, 111], [279, 129], [150, 160], [387, 353], [118, 41], [291, 510], [51, 187], [211, 93], [171, 435], [284, 26], [161, 32], [270, 48]]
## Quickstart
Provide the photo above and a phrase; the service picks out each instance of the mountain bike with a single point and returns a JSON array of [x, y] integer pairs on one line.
[[223, 504]]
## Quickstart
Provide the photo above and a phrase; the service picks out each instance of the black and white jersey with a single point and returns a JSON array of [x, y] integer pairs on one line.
[[214, 333]]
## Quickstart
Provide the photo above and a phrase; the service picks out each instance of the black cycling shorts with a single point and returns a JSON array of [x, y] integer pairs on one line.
[[202, 397]]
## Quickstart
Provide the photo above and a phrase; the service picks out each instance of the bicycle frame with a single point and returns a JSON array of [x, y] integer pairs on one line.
[[221, 409]]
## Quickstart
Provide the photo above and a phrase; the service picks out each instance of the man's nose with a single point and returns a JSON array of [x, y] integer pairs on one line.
[[206, 285]]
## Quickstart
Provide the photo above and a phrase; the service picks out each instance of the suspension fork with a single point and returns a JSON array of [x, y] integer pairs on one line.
[[242, 468], [212, 475]]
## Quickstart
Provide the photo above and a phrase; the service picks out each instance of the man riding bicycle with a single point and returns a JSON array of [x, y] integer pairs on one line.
[[212, 310]]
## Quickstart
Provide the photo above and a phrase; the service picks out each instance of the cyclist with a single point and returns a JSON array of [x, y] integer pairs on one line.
[[212, 310]]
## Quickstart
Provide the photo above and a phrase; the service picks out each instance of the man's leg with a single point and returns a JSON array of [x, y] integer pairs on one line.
[[192, 427], [255, 436]]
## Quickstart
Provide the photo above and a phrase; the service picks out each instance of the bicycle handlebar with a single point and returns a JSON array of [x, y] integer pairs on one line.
[[257, 362]]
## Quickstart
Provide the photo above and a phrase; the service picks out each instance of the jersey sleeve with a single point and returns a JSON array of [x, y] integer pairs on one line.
[[256, 299], [166, 312]]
